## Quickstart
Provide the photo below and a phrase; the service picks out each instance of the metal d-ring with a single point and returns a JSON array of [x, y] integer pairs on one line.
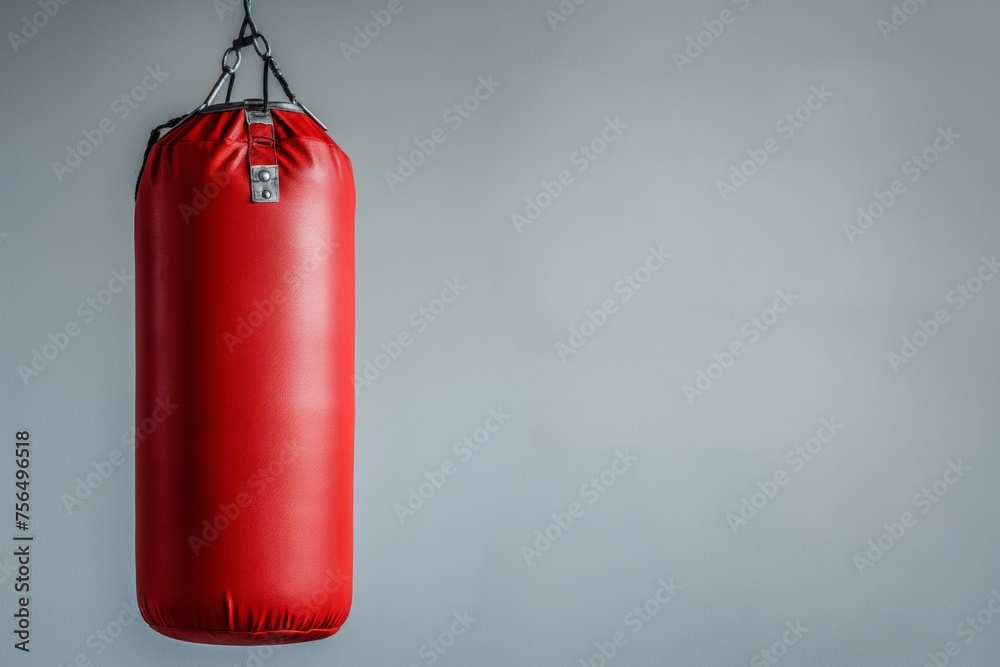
[[227, 71], [266, 53], [226, 68]]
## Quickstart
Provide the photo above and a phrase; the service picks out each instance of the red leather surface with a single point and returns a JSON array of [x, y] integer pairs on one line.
[[260, 442]]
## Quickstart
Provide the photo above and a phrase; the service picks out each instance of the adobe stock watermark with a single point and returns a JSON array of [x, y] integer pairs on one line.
[[419, 321], [436, 647], [968, 631], [796, 459], [88, 311], [88, 484], [122, 107], [292, 279], [256, 484], [464, 450], [714, 29], [591, 491], [778, 649], [104, 637], [899, 17], [334, 582], [633, 623], [751, 331], [202, 196], [33, 24], [363, 35], [454, 117], [913, 170], [923, 502], [787, 126], [562, 12], [304, 610], [626, 288], [958, 298], [223, 7], [581, 159]]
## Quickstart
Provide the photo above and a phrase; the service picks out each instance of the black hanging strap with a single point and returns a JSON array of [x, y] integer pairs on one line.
[[154, 136]]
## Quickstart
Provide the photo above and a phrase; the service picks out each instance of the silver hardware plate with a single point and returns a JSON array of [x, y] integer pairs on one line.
[[264, 183], [258, 116]]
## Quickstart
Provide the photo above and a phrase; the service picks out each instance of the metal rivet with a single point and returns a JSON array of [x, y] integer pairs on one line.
[[264, 175], [266, 194]]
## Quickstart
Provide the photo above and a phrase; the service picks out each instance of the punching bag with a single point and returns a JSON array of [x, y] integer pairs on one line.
[[244, 244]]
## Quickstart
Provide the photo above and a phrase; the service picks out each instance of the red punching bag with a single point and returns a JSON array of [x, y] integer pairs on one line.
[[244, 243]]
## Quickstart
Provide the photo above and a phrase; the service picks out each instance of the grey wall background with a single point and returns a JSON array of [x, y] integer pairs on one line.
[[495, 347]]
